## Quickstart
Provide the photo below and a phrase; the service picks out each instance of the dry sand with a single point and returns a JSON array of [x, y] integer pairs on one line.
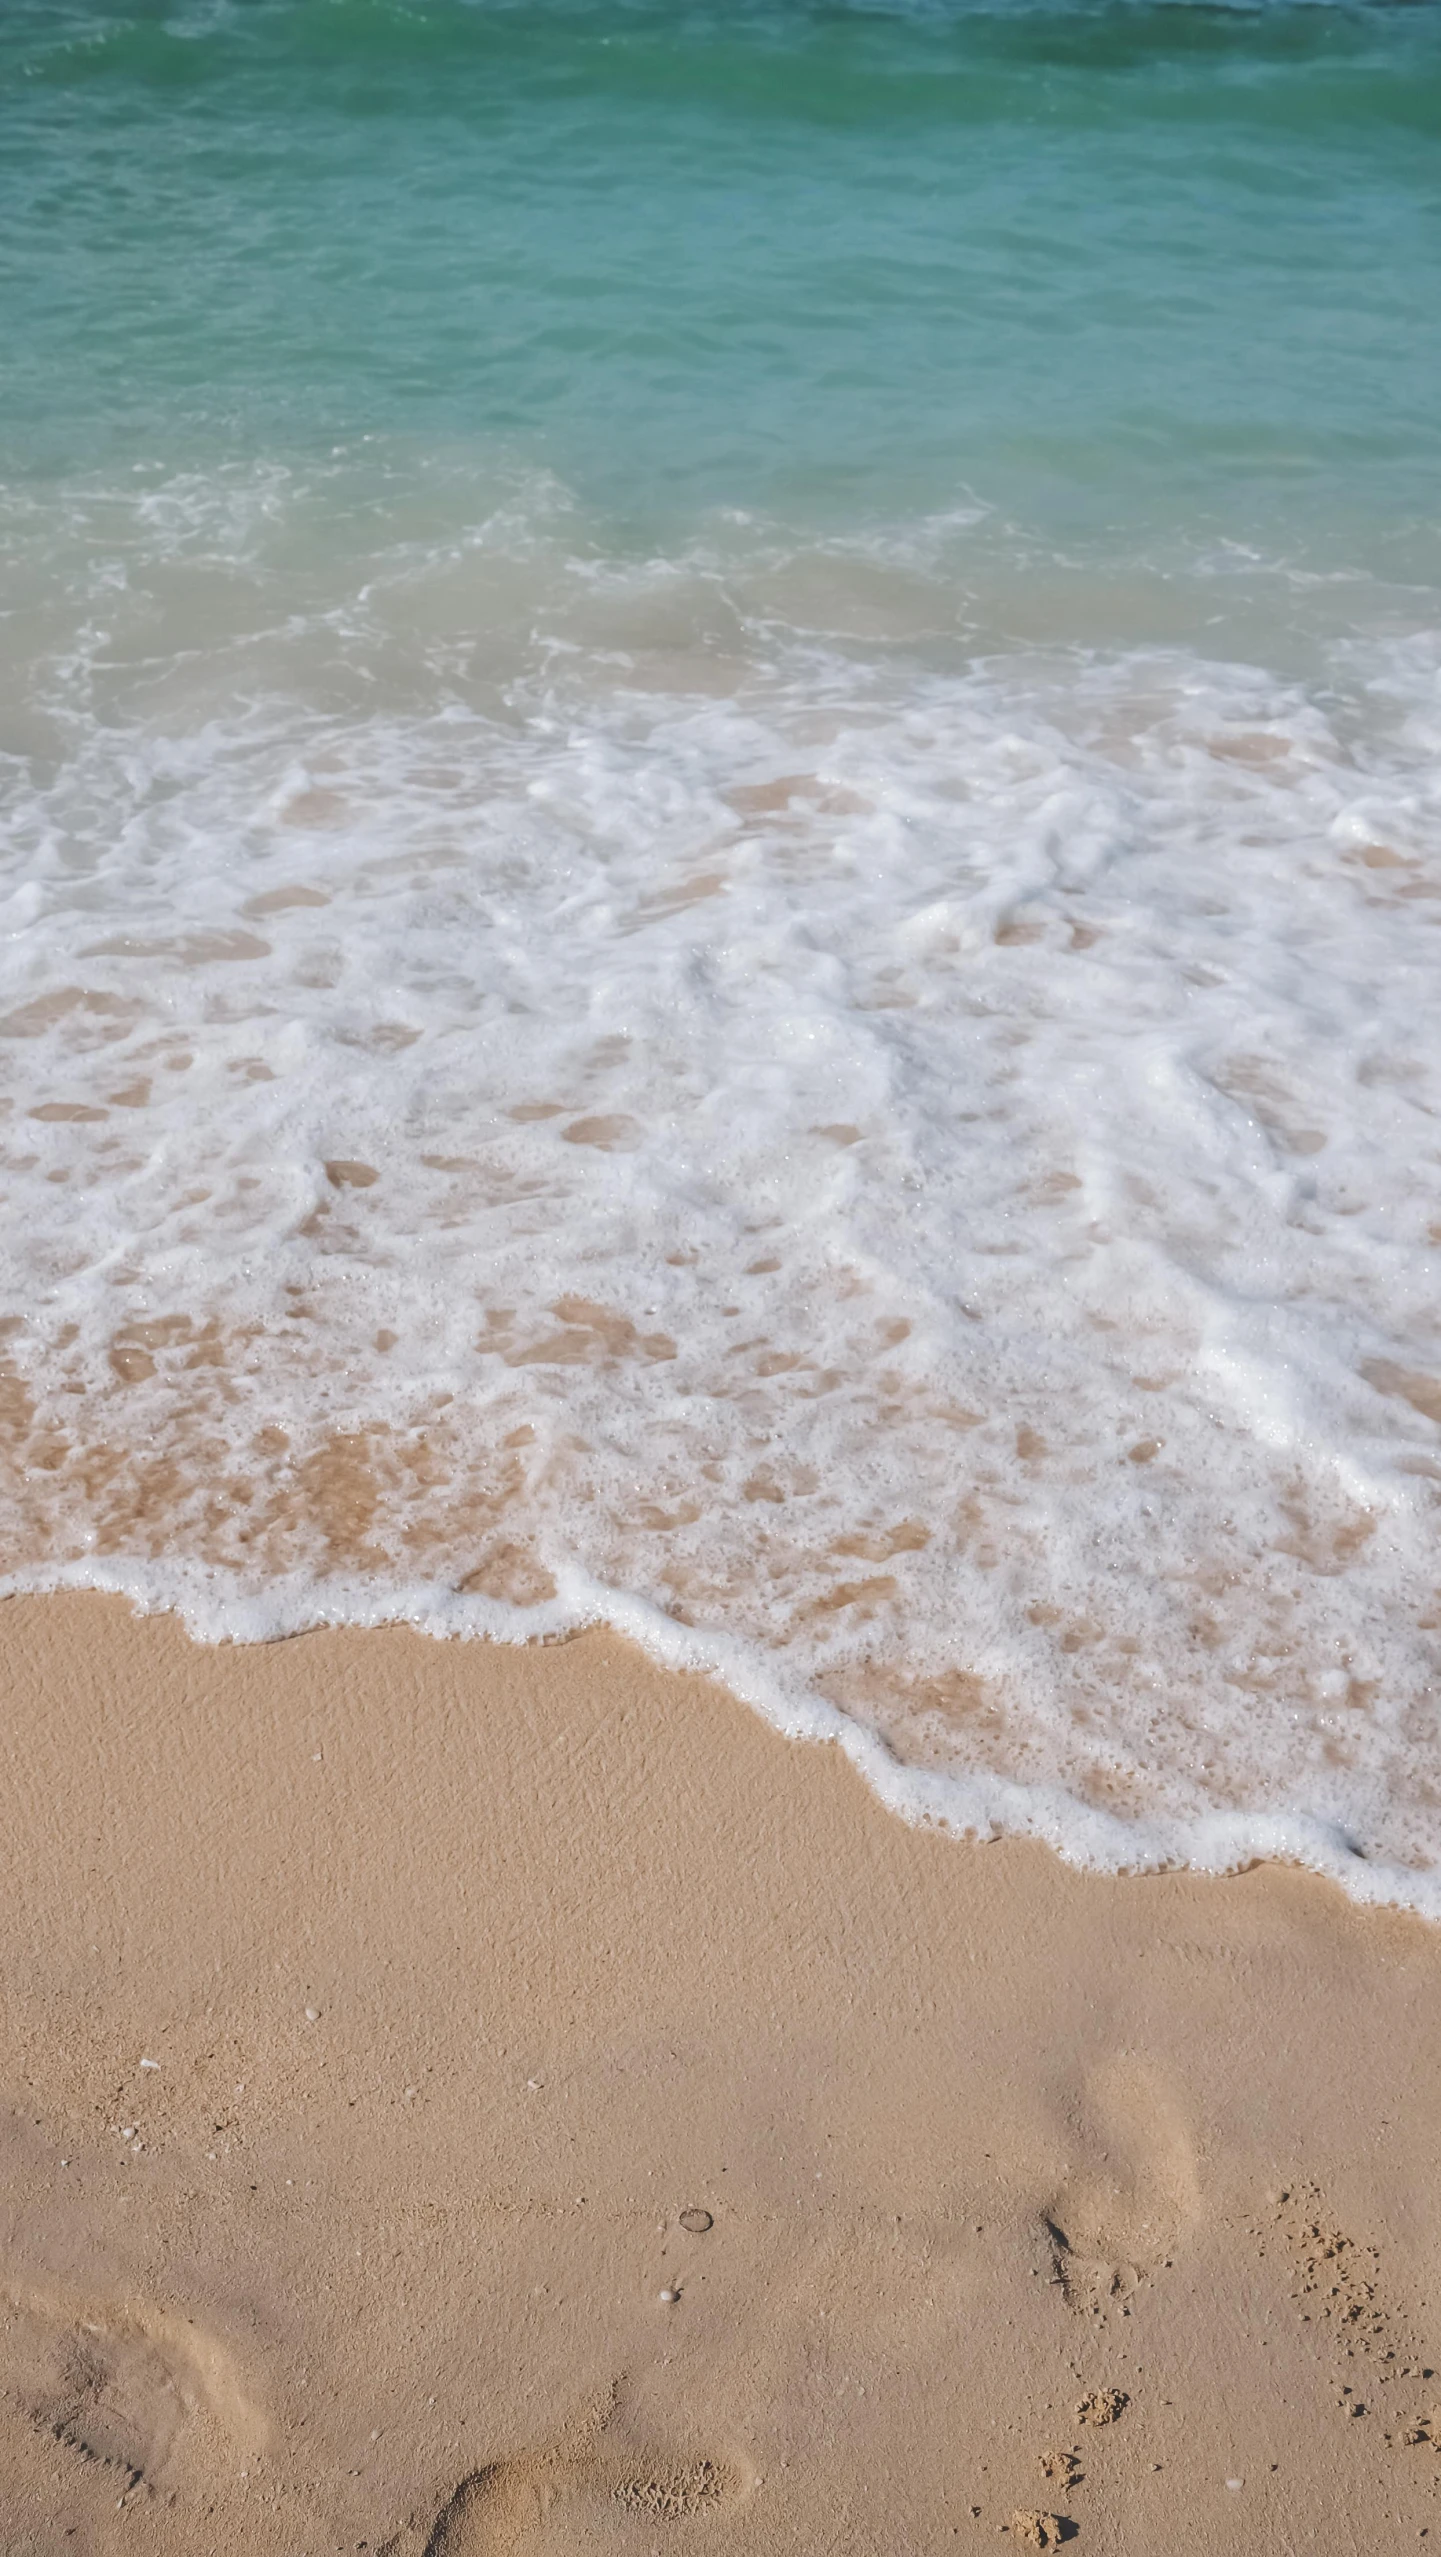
[[584, 2121]]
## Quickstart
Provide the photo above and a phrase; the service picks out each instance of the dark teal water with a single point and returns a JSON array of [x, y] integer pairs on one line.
[[1127, 274]]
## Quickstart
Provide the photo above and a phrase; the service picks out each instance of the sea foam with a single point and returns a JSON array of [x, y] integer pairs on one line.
[[548, 1087]]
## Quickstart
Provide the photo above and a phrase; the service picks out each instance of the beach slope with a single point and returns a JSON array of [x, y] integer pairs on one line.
[[465, 2100]]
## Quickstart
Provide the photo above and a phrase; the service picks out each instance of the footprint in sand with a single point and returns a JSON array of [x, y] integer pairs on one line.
[[580, 2488], [1131, 2191], [116, 2382]]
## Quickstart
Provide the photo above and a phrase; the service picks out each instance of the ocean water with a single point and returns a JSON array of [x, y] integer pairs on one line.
[[722, 866]]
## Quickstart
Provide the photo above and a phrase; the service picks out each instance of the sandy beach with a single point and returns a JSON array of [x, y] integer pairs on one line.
[[719, 812], [462, 2099]]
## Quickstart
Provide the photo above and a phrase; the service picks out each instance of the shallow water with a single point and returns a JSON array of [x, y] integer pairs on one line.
[[720, 761]]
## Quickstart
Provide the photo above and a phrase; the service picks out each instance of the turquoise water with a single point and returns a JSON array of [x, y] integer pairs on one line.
[[720, 865], [1128, 275]]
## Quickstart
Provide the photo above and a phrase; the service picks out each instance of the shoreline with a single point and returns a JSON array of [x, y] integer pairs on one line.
[[978, 1806], [466, 1970]]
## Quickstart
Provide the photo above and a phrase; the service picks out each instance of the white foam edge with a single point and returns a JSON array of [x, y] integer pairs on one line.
[[217, 1607]]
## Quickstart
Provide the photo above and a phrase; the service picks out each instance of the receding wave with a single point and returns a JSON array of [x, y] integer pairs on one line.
[[544, 1083]]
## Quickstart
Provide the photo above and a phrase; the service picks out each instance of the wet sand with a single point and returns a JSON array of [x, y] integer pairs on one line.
[[581, 2120]]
